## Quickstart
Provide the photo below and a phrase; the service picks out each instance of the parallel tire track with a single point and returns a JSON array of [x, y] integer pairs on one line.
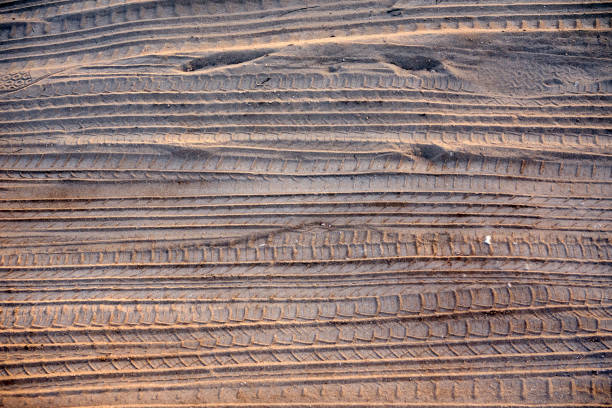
[[305, 203]]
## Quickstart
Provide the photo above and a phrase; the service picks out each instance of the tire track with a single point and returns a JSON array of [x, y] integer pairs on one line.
[[305, 203], [283, 34]]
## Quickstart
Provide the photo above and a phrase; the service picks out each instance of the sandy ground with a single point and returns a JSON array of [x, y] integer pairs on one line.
[[305, 203]]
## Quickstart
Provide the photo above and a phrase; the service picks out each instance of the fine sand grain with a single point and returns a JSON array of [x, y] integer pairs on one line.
[[305, 203]]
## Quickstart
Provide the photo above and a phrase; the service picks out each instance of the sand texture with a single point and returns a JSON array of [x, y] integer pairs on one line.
[[305, 203]]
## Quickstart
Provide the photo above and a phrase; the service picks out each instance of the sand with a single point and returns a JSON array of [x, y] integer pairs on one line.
[[305, 203]]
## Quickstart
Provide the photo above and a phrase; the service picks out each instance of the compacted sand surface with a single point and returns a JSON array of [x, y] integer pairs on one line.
[[305, 203]]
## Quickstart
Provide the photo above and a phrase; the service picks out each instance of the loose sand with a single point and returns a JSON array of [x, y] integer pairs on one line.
[[305, 203]]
